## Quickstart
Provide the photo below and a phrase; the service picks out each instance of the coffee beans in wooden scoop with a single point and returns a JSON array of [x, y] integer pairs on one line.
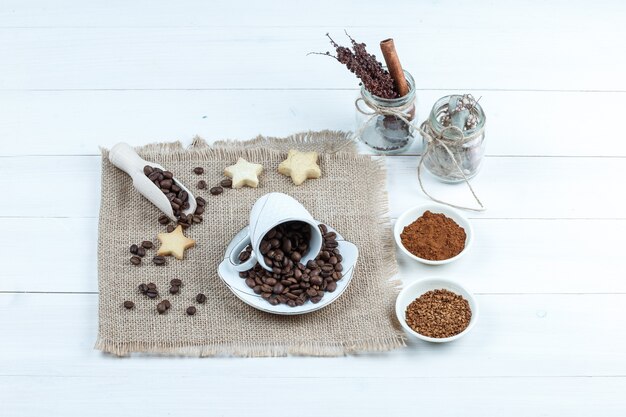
[[290, 282], [179, 198]]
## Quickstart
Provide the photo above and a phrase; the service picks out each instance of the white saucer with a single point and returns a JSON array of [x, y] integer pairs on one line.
[[238, 286]]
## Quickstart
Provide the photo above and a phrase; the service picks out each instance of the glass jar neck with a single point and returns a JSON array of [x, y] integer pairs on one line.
[[441, 106], [405, 100]]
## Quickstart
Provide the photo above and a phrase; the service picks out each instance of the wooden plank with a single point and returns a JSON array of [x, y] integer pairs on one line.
[[510, 187], [260, 396], [509, 256], [76, 122], [213, 57], [517, 335]]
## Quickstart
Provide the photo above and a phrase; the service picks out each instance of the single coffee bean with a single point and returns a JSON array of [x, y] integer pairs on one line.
[[141, 251], [191, 310], [333, 260], [168, 175], [338, 267], [199, 210], [158, 260], [200, 201], [147, 170], [161, 308], [133, 249], [129, 304], [177, 282], [142, 288], [278, 288], [147, 244], [331, 286], [316, 280], [174, 289], [226, 183], [163, 219], [167, 304], [152, 293], [311, 292], [198, 170], [197, 219], [257, 289], [316, 299], [273, 301], [275, 243], [166, 184], [216, 190], [170, 228], [250, 282], [202, 184], [244, 256], [135, 260], [296, 256], [201, 298]]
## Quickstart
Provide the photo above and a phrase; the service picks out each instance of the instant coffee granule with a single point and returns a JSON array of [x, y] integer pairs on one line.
[[439, 313], [434, 236]]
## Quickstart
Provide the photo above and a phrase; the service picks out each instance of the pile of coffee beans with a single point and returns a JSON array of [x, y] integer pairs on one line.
[[139, 251], [290, 282]]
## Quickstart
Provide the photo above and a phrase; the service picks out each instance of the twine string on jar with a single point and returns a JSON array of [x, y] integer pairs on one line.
[[432, 140]]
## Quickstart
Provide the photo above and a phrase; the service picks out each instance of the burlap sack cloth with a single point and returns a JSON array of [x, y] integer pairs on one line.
[[350, 196]]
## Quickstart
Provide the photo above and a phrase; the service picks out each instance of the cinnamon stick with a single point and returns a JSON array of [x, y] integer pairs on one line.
[[394, 67]]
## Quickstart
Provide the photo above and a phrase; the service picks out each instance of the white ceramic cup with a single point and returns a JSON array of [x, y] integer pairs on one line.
[[268, 212]]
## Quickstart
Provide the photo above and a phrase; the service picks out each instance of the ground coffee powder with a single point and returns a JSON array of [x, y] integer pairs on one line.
[[433, 236]]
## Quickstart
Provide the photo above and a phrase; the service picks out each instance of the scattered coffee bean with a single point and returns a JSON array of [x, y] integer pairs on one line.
[[200, 201], [152, 293], [135, 260], [170, 228], [146, 244], [177, 282], [196, 219], [202, 184], [163, 219], [191, 310], [141, 251], [226, 183], [199, 210], [129, 304], [198, 170], [201, 298], [161, 308], [174, 289], [167, 304], [133, 249], [143, 288], [158, 260], [216, 190]]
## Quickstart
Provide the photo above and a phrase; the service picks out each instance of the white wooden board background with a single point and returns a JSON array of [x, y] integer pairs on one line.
[[547, 265]]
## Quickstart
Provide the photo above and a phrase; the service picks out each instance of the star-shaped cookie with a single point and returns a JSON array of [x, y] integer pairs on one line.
[[300, 166], [244, 173], [174, 243]]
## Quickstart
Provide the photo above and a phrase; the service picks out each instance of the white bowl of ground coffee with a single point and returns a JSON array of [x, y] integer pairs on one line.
[[436, 310], [433, 234]]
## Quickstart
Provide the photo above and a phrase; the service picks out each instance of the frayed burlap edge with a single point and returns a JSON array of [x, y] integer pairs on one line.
[[326, 141]]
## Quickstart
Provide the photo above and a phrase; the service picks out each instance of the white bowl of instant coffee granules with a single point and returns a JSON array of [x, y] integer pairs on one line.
[[436, 310]]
